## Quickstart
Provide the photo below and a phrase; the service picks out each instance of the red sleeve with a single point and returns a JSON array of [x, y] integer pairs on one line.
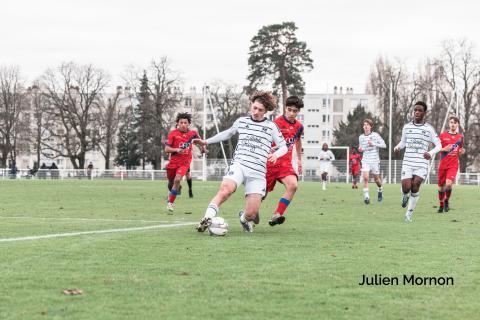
[[170, 138]]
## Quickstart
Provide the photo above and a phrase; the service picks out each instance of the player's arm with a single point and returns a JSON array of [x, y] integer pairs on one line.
[[221, 136], [438, 146], [332, 156], [280, 142], [298, 148], [403, 141], [169, 143], [379, 142], [360, 149]]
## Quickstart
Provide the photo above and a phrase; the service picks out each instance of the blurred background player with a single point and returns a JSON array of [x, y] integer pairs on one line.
[[282, 170], [416, 139], [188, 177], [179, 145], [249, 164], [326, 157], [354, 161], [369, 143], [452, 146]]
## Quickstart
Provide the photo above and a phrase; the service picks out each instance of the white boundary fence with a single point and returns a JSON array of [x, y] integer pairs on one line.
[[215, 170]]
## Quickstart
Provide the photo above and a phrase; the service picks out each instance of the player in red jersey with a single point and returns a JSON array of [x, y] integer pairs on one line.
[[354, 160], [282, 170], [452, 146], [179, 145]]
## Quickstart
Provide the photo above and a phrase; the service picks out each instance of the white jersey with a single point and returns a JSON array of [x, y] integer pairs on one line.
[[254, 142], [416, 139], [326, 157], [370, 152]]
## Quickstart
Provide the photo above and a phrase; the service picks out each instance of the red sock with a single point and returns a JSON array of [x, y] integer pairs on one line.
[[172, 196], [448, 192], [282, 206], [441, 196]]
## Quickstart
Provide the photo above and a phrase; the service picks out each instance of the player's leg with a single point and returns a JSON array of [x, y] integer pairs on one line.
[[378, 180], [252, 207], [188, 176], [291, 184], [365, 178], [441, 188], [179, 173], [406, 178], [414, 195], [233, 178], [448, 193], [324, 180]]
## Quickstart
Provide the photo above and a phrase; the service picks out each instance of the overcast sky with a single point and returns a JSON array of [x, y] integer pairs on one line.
[[209, 40]]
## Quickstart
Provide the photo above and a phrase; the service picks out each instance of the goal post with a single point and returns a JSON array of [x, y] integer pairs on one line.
[[312, 163]]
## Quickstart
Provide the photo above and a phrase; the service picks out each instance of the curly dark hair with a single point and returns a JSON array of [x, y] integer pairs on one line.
[[266, 98], [294, 101], [421, 103], [184, 115]]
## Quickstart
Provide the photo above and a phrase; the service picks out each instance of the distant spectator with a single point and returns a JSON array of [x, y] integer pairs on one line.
[[13, 170], [42, 173], [54, 171], [89, 171]]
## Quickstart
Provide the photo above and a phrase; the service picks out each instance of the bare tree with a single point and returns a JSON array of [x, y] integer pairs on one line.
[[12, 104], [108, 121], [461, 70], [74, 92]]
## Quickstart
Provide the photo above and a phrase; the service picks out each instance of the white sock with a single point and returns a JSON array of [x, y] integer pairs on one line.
[[412, 203], [380, 189], [211, 211], [365, 193], [242, 218]]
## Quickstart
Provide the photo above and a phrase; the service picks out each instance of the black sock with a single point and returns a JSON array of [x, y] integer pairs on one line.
[[170, 185], [189, 182]]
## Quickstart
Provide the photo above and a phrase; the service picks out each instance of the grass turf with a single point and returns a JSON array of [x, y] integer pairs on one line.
[[307, 268]]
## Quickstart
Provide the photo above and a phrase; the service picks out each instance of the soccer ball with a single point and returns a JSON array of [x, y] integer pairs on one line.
[[219, 227]]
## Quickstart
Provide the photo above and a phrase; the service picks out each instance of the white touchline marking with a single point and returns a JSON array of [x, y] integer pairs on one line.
[[73, 234], [87, 219]]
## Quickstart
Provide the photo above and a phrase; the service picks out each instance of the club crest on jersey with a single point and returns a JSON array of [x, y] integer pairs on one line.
[[264, 129]]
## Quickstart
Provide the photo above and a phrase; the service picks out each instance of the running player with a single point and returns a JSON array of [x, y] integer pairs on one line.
[[255, 137], [179, 145], [354, 160], [369, 143], [326, 157], [452, 143], [416, 139], [282, 170]]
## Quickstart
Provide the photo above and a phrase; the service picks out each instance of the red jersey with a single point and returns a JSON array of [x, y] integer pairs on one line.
[[291, 131], [450, 158], [354, 160], [183, 140]]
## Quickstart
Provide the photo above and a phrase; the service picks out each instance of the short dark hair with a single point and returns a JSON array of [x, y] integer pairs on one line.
[[266, 98], [423, 104], [454, 118], [294, 101], [184, 115]]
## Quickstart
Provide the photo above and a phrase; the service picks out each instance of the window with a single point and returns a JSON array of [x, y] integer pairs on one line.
[[311, 172], [325, 102], [324, 118], [337, 105]]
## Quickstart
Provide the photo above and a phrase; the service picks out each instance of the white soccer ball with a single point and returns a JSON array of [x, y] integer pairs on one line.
[[219, 227]]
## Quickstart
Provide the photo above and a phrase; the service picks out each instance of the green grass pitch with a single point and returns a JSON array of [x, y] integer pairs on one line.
[[308, 268]]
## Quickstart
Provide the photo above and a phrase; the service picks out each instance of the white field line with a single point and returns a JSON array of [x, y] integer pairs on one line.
[[87, 219], [73, 234]]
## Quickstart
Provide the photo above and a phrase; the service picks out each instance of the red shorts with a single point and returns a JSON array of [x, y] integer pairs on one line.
[[172, 172], [449, 173], [355, 171], [275, 173]]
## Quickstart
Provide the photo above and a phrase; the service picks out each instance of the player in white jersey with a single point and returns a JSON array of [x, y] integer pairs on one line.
[[326, 157], [255, 137], [369, 143], [416, 139]]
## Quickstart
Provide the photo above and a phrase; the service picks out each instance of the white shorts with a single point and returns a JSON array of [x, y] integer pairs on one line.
[[253, 181], [324, 167], [408, 172], [373, 167]]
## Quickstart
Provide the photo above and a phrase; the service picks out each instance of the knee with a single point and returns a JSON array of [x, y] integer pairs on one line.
[[292, 187]]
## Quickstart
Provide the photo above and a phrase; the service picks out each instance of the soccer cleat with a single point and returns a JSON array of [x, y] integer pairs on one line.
[[405, 198], [380, 196], [170, 207], [257, 218], [324, 187], [353, 187], [276, 219], [247, 226], [190, 194], [408, 216], [446, 207], [440, 210], [204, 224], [366, 200]]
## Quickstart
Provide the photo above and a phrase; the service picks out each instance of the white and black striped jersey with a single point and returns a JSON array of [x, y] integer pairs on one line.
[[254, 142], [370, 152], [326, 156], [416, 139]]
